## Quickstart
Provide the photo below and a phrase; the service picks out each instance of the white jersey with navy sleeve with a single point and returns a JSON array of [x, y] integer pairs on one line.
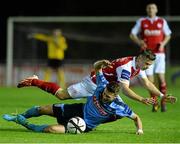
[[122, 70], [96, 112]]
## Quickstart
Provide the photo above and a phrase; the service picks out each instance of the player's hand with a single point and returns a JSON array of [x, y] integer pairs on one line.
[[148, 101], [106, 63], [161, 47], [102, 64], [139, 132], [142, 44], [169, 98]]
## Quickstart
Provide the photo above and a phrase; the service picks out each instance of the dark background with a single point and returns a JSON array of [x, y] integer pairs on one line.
[[78, 8]]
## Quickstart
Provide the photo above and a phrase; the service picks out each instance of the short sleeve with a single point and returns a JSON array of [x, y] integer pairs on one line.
[[166, 28], [137, 28], [123, 74]]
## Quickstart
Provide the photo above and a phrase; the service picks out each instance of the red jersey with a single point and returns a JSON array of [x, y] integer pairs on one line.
[[123, 69], [152, 31]]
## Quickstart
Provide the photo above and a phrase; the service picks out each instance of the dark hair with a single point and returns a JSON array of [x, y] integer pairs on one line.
[[148, 54], [113, 87]]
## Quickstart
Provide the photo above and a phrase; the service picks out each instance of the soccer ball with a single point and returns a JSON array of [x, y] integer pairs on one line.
[[76, 125]]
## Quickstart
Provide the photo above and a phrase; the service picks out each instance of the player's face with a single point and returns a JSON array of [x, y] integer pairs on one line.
[[56, 32], [151, 10], [108, 96], [145, 64]]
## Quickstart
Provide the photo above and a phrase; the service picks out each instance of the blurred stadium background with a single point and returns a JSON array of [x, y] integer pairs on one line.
[[88, 38], [99, 31]]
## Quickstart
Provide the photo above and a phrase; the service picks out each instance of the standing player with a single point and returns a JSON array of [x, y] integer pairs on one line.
[[121, 70], [56, 44], [154, 34]]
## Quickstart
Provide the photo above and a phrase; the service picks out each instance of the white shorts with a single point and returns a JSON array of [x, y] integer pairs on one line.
[[82, 89], [158, 66]]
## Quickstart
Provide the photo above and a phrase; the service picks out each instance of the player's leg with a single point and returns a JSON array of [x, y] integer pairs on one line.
[[160, 71], [82, 89], [44, 110], [37, 111], [51, 64], [85, 88], [40, 128], [49, 87], [61, 77], [63, 112], [47, 74], [55, 129], [163, 89], [34, 111], [150, 75], [21, 120]]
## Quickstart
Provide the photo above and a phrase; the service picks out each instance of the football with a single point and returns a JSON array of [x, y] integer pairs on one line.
[[76, 125]]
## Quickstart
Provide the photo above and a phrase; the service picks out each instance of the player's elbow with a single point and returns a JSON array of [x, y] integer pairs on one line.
[[136, 118], [131, 36]]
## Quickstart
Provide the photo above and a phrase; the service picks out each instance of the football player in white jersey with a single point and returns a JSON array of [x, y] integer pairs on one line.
[[121, 70]]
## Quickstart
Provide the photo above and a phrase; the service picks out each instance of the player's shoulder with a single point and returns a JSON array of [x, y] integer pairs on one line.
[[141, 19], [161, 19], [118, 102], [123, 60]]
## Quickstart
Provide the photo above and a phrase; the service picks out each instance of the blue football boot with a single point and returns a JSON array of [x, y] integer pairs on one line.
[[9, 117]]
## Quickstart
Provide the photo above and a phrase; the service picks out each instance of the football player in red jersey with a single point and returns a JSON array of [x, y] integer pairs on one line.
[[120, 70], [152, 32]]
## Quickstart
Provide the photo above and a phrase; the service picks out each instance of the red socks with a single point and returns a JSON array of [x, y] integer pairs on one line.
[[50, 87], [163, 88]]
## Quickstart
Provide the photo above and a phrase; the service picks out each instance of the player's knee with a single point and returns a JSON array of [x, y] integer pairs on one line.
[[45, 110], [49, 129], [55, 129], [62, 94], [135, 117]]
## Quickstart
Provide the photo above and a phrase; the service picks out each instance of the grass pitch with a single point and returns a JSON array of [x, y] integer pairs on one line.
[[158, 127]]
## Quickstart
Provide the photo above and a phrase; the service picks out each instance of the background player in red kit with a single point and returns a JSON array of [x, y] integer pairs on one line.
[[152, 32]]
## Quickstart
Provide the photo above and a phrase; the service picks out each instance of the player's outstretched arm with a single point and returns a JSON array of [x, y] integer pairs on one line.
[[138, 124], [131, 94], [152, 88]]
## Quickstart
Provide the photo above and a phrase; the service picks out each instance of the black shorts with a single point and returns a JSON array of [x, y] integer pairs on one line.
[[70, 110], [55, 63]]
